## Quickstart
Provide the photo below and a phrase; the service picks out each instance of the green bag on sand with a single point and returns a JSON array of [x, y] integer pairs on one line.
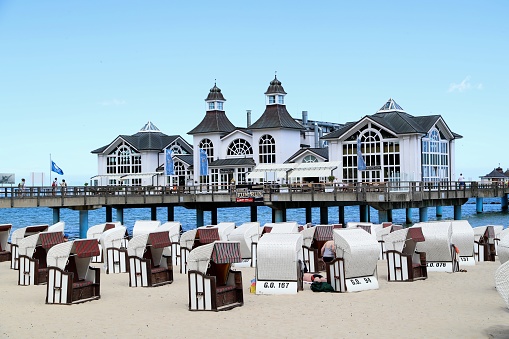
[[320, 286]]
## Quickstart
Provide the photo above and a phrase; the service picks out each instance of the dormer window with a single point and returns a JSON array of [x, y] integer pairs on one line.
[[272, 99], [280, 99], [220, 106]]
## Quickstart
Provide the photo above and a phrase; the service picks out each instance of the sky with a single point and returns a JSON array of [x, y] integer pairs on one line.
[[75, 75]]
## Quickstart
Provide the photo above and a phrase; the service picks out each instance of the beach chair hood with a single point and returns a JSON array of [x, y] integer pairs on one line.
[[57, 255], [145, 226], [278, 255], [359, 249], [136, 246], [220, 252], [463, 237], [437, 245], [245, 234], [113, 237], [187, 239]]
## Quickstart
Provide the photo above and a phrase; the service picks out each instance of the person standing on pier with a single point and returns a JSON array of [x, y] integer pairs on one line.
[[461, 180], [54, 186], [21, 187], [64, 186]]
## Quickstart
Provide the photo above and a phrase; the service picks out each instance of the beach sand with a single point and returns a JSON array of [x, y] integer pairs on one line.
[[458, 305]]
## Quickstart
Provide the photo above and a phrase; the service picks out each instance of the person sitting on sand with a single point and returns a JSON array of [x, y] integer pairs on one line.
[[312, 277], [328, 251]]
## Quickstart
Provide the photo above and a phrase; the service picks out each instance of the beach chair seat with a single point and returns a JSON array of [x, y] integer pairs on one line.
[[279, 264], [502, 281], [71, 279], [484, 243], [32, 257], [313, 240], [113, 243], [354, 268], [148, 267], [213, 286], [19, 234], [5, 252], [404, 263]]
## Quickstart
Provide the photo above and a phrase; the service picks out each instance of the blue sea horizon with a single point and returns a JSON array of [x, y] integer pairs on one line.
[[22, 217]]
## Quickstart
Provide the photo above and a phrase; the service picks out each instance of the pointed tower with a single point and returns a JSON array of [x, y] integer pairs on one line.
[[276, 135]]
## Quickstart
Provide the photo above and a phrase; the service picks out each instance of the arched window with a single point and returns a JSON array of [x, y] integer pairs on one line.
[[309, 158], [239, 147], [267, 149], [208, 146], [435, 157], [123, 160]]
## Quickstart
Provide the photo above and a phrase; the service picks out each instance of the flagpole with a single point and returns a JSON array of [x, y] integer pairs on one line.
[[50, 169]]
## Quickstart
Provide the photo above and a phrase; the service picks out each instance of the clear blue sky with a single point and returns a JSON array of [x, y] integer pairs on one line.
[[76, 74]]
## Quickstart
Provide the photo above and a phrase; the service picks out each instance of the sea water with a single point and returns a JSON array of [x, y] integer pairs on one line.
[[20, 217]]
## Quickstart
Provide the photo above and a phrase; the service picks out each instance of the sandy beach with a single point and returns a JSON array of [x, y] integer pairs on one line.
[[457, 305]]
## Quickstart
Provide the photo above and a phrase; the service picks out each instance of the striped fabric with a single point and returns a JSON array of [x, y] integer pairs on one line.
[[159, 239], [226, 253], [208, 235], [266, 229], [323, 232], [108, 226], [86, 248], [49, 240], [490, 232], [4, 228], [415, 233]]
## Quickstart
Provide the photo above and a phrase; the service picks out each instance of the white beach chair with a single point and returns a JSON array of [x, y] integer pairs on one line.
[[113, 244], [463, 240], [498, 230], [213, 286], [95, 232], [354, 268], [147, 265], [403, 262], [441, 254], [19, 234], [484, 243], [224, 229], [381, 234], [5, 249], [503, 250], [279, 264], [502, 281], [247, 235], [174, 229], [145, 226], [187, 240], [33, 269], [71, 279]]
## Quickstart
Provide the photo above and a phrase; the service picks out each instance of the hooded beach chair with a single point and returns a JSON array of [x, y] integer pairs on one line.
[[463, 240], [441, 254], [174, 229], [148, 267], [247, 235], [5, 249], [484, 243], [354, 268], [282, 227], [213, 286], [404, 263], [502, 281], [313, 240], [381, 234], [33, 268], [194, 238], [19, 234], [113, 243], [279, 264], [95, 232], [503, 249], [71, 279]]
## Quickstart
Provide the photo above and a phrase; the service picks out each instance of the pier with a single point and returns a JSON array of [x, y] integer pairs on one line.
[[382, 196]]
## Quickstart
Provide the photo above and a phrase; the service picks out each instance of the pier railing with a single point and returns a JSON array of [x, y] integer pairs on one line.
[[361, 192]]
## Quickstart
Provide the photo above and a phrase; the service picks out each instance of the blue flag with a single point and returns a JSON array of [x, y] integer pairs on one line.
[[204, 162], [56, 169], [169, 166], [361, 165]]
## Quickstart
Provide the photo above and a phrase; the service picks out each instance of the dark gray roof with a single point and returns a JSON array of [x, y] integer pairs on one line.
[[144, 141], [322, 152], [339, 132], [276, 116], [214, 122], [495, 174], [275, 87], [215, 94], [233, 162]]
